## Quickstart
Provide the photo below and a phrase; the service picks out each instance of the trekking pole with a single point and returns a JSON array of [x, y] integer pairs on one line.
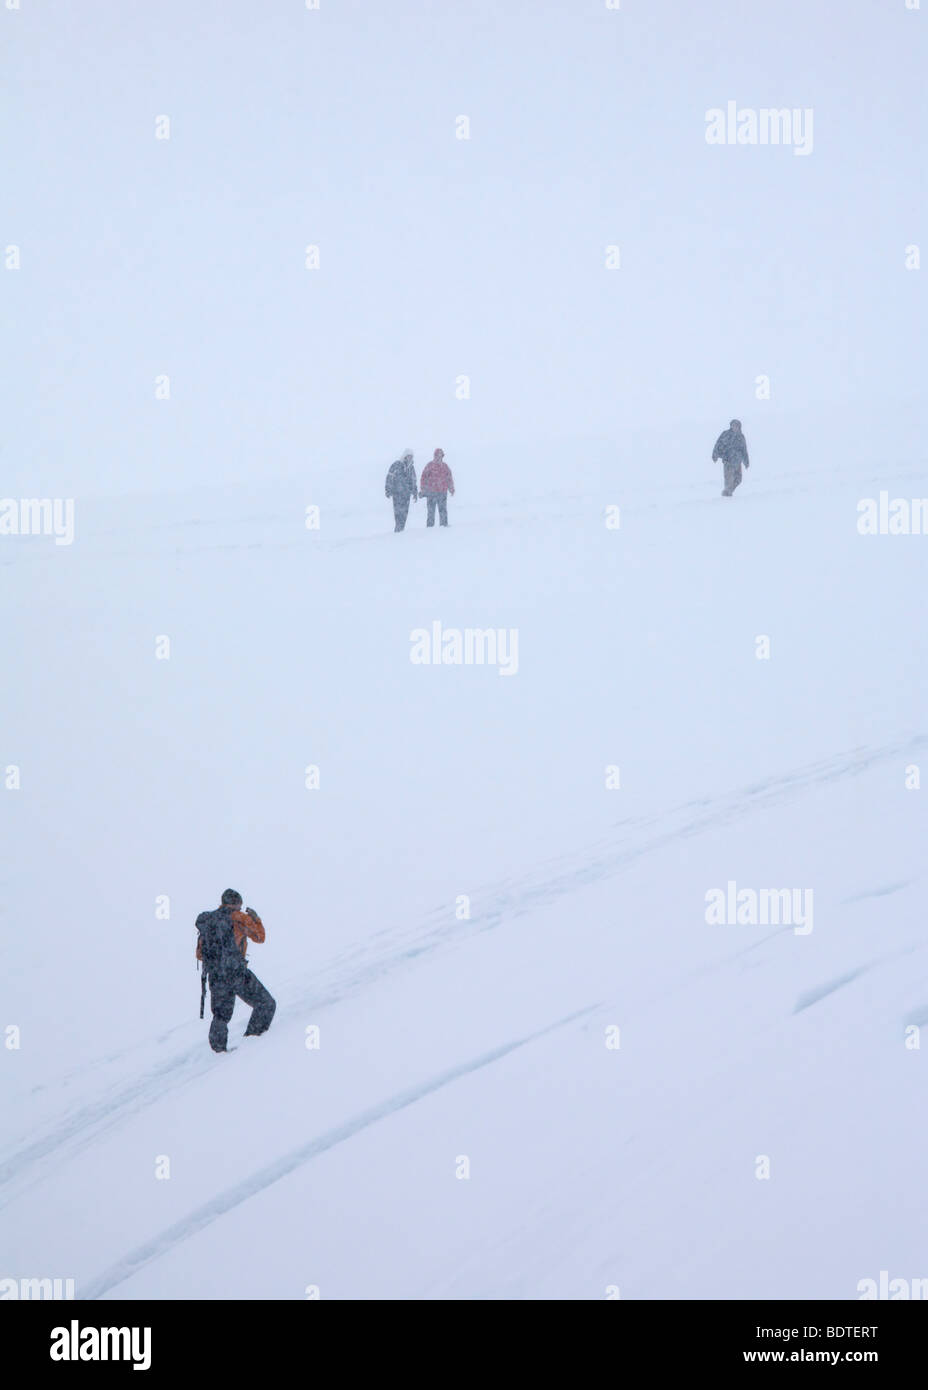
[[202, 989]]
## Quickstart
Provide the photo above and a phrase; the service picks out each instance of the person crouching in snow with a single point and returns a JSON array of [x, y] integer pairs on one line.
[[401, 486], [435, 484]]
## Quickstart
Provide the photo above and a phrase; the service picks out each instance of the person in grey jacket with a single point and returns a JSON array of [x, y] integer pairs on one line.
[[732, 449], [400, 485]]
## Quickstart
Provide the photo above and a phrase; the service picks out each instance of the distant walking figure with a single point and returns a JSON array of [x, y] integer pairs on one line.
[[732, 449], [401, 486], [434, 486]]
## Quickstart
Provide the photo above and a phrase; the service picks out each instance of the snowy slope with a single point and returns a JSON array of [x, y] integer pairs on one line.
[[482, 1038]]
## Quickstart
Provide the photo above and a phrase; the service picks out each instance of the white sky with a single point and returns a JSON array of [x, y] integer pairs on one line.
[[441, 256]]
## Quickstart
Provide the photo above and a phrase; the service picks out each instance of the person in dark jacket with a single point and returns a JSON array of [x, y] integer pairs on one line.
[[732, 449], [401, 486], [224, 934], [434, 486]]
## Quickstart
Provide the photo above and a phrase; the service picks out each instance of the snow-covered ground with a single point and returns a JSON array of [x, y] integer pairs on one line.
[[463, 1128], [248, 253]]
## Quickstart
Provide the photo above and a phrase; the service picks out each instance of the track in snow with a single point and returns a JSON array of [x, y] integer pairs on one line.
[[391, 949]]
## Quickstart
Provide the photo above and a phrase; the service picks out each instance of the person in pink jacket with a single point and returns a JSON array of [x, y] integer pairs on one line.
[[435, 485]]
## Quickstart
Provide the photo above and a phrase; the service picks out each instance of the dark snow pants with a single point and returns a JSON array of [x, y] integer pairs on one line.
[[732, 475], [222, 995], [442, 499], [400, 510]]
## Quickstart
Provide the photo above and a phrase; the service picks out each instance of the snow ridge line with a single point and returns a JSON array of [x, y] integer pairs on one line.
[[390, 949], [508, 899], [288, 1163]]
